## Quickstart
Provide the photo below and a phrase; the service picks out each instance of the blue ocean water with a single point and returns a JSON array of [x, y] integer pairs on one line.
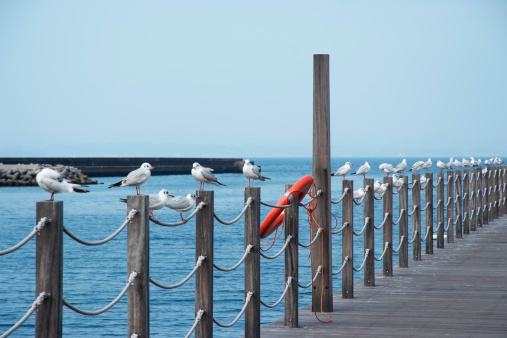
[[93, 276]]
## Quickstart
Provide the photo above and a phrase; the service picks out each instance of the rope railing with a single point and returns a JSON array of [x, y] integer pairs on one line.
[[107, 239], [281, 250], [399, 218], [319, 269], [457, 218], [399, 246], [414, 208], [313, 240], [410, 186], [366, 253], [360, 201], [132, 276], [167, 287], [277, 206], [448, 180], [386, 246], [426, 206], [319, 193], [36, 303], [386, 215], [247, 204], [449, 222], [438, 182], [366, 220], [345, 261], [247, 251], [438, 203], [426, 235], [197, 320], [289, 284], [449, 199], [197, 208], [345, 191], [43, 221], [413, 238], [247, 301], [346, 224]]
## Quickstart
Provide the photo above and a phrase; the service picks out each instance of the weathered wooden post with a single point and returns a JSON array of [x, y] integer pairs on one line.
[[459, 206], [291, 263], [138, 252], [440, 210], [466, 202], [496, 211], [204, 275], [491, 196], [428, 196], [473, 200], [253, 261], [49, 269], [480, 197], [369, 232], [348, 241], [403, 254], [388, 228], [450, 207], [322, 293], [486, 200], [502, 190], [416, 216]]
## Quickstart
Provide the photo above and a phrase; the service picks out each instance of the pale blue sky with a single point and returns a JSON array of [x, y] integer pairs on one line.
[[234, 78]]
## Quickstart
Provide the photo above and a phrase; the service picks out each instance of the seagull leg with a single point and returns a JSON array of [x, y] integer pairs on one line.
[[181, 215], [52, 197]]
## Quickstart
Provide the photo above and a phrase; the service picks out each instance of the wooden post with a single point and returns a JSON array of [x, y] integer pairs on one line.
[[388, 228], [441, 224], [253, 262], [496, 210], [403, 254], [486, 199], [473, 200], [428, 196], [291, 263], [502, 190], [416, 216], [348, 241], [369, 232], [138, 252], [49, 269], [459, 206], [322, 295], [204, 275], [450, 207], [491, 196], [480, 198], [466, 202]]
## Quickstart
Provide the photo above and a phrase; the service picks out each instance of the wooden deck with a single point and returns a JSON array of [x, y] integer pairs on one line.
[[459, 291]]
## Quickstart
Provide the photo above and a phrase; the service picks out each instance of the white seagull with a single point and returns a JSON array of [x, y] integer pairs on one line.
[[382, 189], [135, 178], [426, 165], [416, 166], [450, 164], [53, 182], [363, 170], [376, 186], [204, 175], [402, 166], [253, 172], [343, 170], [442, 165], [398, 182], [157, 201], [457, 163], [466, 162], [181, 204], [358, 194], [473, 162], [388, 168]]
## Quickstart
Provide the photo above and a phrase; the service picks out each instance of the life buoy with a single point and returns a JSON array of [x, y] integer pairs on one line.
[[275, 217]]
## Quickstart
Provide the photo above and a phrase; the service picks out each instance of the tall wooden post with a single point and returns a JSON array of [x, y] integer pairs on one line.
[[369, 232], [292, 263], [253, 261], [466, 202], [473, 199], [322, 295], [138, 252], [204, 275], [428, 195], [403, 259], [388, 228], [441, 224], [480, 198], [49, 269], [450, 207], [459, 205], [348, 241], [416, 216], [485, 199], [491, 196], [496, 175]]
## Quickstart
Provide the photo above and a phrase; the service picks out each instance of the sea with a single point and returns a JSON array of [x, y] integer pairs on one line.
[[94, 276]]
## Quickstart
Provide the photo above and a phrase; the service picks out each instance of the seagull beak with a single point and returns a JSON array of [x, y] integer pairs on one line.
[[152, 168], [171, 195]]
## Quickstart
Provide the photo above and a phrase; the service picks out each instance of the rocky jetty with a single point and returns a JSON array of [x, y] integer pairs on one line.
[[24, 174]]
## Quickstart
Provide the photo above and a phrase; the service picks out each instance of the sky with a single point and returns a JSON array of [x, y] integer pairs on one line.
[[235, 78]]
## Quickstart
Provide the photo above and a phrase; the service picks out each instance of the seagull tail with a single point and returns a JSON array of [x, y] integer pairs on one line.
[[79, 190], [221, 184], [124, 200], [115, 185], [265, 178]]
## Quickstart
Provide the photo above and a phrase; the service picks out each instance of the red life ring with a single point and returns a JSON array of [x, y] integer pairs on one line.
[[275, 217]]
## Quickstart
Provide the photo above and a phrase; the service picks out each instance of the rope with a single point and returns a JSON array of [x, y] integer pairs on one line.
[[319, 193], [426, 207], [465, 195], [399, 247], [345, 191], [247, 301], [448, 180], [105, 240], [289, 283], [449, 221], [413, 239], [36, 303], [456, 221], [198, 318], [132, 276], [438, 182], [247, 204], [35, 230], [197, 265], [383, 253], [410, 186], [427, 233], [346, 224], [319, 269], [438, 203], [367, 252], [247, 251], [197, 208], [383, 222], [345, 261], [366, 220], [314, 239], [361, 201], [277, 206], [399, 219], [448, 201], [472, 195], [281, 250]]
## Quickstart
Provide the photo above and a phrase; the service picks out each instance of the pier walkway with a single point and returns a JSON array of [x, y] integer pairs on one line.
[[459, 291]]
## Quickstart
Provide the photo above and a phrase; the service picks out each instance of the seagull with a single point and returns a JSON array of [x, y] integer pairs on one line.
[[376, 186], [204, 175], [487, 162], [135, 178], [474, 162], [450, 164], [497, 161], [484, 171], [53, 181], [382, 189], [402, 166], [388, 168], [398, 182], [157, 201], [466, 162], [426, 165], [253, 172], [423, 180], [442, 165], [358, 194], [343, 170], [416, 166], [363, 170], [181, 204], [457, 163], [479, 162]]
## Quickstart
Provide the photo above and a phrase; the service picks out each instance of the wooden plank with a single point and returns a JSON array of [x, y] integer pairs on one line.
[[253, 261]]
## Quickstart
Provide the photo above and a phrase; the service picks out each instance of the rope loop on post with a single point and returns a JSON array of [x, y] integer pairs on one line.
[[247, 301], [414, 208], [438, 203], [247, 251], [399, 247], [413, 239], [36, 303], [448, 201], [197, 208], [319, 193], [345, 191], [399, 218], [319, 269], [281, 250], [448, 180], [247, 204], [167, 287], [383, 222], [366, 253], [427, 233], [386, 246], [197, 320], [40, 225], [314, 239], [366, 220], [426, 206], [277, 206], [438, 182], [346, 224], [289, 284], [345, 261]]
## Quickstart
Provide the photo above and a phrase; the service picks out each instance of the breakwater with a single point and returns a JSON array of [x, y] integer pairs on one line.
[[24, 174]]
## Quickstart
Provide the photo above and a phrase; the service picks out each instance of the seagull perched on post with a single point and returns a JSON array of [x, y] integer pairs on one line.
[[388, 168], [204, 175], [363, 170], [416, 166], [466, 162], [155, 202], [343, 170], [181, 204], [402, 166], [450, 164], [442, 165], [253, 172], [53, 182], [426, 165], [135, 178]]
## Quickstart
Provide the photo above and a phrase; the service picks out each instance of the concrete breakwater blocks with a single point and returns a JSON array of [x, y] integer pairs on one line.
[[24, 174]]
